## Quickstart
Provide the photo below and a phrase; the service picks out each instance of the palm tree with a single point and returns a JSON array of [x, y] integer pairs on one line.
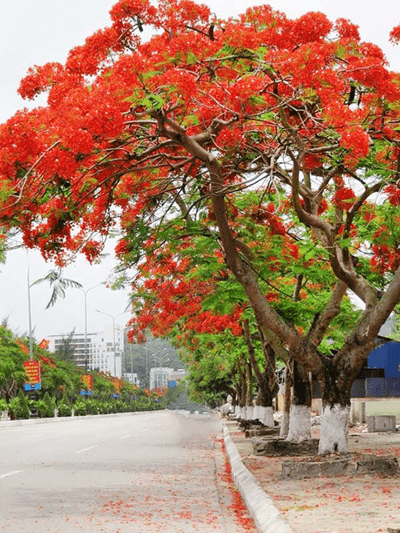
[[59, 285]]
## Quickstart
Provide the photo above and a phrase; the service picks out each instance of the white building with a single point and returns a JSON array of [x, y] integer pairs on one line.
[[99, 353], [159, 377], [132, 378]]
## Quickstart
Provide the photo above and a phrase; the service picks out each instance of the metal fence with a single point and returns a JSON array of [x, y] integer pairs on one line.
[[375, 388], [368, 388]]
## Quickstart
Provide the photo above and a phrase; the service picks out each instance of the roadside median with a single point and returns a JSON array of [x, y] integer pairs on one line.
[[260, 506]]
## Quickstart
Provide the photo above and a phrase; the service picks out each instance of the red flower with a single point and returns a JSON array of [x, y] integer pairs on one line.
[[344, 198], [356, 140], [395, 35], [393, 193]]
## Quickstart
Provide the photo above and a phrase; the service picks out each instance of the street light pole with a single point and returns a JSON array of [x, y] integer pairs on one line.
[[85, 292], [156, 374], [30, 319], [113, 320]]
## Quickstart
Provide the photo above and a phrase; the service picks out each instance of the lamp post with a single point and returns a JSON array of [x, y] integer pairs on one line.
[[160, 361], [113, 317], [30, 319], [85, 292]]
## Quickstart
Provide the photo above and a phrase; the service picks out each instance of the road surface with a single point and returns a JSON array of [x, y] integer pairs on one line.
[[147, 472]]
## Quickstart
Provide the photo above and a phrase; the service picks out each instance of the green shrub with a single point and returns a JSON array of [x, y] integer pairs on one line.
[[64, 407], [112, 405], [80, 407], [3, 405], [18, 407], [143, 405], [102, 407], [46, 406], [93, 406], [133, 406], [120, 406]]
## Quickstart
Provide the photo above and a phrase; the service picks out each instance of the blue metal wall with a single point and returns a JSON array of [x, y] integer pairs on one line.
[[386, 356]]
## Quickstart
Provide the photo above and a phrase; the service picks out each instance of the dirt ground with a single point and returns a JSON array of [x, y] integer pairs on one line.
[[367, 503]]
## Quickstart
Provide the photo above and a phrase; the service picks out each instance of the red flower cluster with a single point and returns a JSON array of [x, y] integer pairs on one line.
[[357, 141], [395, 35], [344, 198], [393, 192]]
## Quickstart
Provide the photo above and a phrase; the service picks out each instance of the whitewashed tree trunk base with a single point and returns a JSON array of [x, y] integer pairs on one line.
[[334, 436], [249, 412], [300, 423], [284, 424], [267, 416], [256, 413]]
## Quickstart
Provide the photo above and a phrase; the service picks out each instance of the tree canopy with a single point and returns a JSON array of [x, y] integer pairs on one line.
[[261, 132]]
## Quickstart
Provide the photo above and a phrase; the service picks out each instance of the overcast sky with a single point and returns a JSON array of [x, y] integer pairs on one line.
[[33, 32]]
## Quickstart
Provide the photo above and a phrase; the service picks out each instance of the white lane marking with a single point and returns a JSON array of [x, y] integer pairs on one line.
[[125, 437], [146, 429], [11, 473], [86, 449]]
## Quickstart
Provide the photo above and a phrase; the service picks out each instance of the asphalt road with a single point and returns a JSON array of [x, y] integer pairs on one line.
[[145, 472]]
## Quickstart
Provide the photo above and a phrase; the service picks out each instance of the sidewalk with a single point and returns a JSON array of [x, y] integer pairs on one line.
[[365, 503]]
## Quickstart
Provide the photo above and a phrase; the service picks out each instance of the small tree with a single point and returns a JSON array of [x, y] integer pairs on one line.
[[45, 406], [64, 406], [18, 406], [12, 373], [65, 350]]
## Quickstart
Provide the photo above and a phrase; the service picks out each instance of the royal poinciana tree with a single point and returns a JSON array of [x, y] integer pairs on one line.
[[200, 111], [183, 289]]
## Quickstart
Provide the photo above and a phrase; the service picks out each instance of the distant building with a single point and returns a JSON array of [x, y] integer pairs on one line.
[[99, 352], [73, 345], [159, 377], [132, 378], [174, 377]]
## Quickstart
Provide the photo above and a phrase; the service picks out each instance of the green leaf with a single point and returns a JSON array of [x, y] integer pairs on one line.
[[191, 58], [153, 101]]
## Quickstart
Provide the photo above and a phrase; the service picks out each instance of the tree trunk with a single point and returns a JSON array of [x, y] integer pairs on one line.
[[334, 435], [300, 411], [264, 403], [336, 385], [242, 389], [237, 400], [287, 400], [249, 392], [267, 387]]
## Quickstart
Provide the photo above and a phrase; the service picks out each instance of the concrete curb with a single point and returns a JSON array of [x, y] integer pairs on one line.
[[52, 420], [260, 506]]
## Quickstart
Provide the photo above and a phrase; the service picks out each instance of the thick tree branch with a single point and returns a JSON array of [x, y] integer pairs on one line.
[[331, 310]]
